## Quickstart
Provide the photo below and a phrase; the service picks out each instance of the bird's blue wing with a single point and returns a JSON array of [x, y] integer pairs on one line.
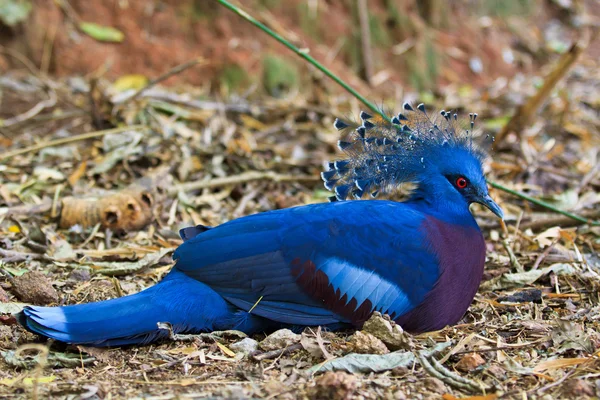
[[317, 264]]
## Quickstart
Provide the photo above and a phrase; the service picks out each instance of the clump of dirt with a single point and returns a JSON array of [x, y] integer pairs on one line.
[[35, 288], [333, 385], [3, 296]]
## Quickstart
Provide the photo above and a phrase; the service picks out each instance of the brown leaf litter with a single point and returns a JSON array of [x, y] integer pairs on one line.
[[531, 332]]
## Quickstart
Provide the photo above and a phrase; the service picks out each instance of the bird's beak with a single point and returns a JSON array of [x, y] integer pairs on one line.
[[491, 205]]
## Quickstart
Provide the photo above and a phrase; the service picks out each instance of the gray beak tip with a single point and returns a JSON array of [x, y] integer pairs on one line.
[[492, 206], [500, 214]]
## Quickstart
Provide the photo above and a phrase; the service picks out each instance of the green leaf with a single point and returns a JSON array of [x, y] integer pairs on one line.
[[15, 271], [14, 11], [496, 123], [279, 75], [102, 33]]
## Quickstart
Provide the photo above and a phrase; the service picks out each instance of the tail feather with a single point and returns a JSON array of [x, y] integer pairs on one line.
[[188, 305]]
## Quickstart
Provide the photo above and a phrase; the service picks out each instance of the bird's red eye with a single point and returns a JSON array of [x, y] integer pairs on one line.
[[461, 182]]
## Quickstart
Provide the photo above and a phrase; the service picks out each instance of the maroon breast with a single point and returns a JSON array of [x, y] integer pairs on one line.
[[461, 252]]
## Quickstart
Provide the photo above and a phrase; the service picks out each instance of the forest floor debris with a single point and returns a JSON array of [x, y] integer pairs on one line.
[[532, 329]]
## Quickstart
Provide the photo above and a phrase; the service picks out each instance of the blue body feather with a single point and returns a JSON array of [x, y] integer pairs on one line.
[[327, 264]]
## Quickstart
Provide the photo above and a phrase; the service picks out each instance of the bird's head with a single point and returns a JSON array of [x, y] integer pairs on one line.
[[433, 153], [455, 174]]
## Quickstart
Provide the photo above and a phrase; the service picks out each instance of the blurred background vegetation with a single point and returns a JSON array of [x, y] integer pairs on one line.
[[421, 46]]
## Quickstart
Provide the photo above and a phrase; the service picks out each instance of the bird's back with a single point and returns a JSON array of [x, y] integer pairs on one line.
[[339, 262]]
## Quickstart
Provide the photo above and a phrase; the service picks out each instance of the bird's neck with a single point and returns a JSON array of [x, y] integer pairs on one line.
[[452, 209]]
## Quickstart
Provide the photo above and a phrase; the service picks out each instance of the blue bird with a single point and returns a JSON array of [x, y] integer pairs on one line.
[[331, 264]]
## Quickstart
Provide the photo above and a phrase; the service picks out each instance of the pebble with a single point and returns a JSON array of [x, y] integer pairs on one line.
[[246, 346], [365, 343], [333, 386], [35, 288], [387, 331], [469, 362], [279, 340]]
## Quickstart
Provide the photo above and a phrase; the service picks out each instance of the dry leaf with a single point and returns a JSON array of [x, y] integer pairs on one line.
[[559, 363], [491, 396], [225, 350], [469, 362]]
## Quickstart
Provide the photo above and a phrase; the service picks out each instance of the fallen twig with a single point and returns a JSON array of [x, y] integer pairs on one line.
[[513, 258], [127, 268], [17, 256], [541, 203], [524, 113], [27, 209], [72, 139], [22, 59], [542, 256], [172, 72], [556, 383], [242, 178], [32, 112], [562, 221], [365, 39]]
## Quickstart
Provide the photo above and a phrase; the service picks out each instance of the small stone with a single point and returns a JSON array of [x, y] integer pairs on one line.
[[386, 330], [80, 275], [34, 287], [577, 389], [279, 340], [435, 385], [496, 371], [246, 346], [365, 343], [469, 362], [334, 386]]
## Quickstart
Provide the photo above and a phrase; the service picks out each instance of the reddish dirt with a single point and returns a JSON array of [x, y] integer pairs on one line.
[[160, 35]]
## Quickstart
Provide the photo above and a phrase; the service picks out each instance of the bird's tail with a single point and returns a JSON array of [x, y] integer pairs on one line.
[[188, 305]]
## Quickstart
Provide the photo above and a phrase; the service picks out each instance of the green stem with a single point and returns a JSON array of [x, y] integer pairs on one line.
[[543, 204], [303, 54], [339, 81]]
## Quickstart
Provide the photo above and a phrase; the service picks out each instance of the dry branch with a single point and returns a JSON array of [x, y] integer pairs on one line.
[[172, 72], [72, 139], [562, 221], [365, 39], [242, 178], [525, 113]]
